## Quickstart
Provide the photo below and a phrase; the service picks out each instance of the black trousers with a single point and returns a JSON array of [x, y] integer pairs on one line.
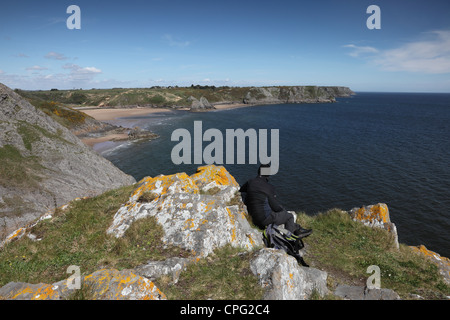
[[282, 217]]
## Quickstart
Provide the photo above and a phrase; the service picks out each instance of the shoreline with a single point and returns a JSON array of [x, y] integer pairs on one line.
[[113, 114], [105, 114]]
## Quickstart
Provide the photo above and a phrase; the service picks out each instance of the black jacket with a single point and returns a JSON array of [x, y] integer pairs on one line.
[[261, 199]]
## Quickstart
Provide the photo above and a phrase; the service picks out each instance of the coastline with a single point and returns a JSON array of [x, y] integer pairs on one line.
[[109, 139], [114, 114], [105, 114]]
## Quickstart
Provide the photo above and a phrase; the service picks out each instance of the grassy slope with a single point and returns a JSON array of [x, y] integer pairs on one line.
[[125, 97], [340, 246]]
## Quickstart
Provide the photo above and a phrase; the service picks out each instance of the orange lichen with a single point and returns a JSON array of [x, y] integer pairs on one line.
[[233, 229], [160, 185], [378, 212], [431, 254], [218, 174]]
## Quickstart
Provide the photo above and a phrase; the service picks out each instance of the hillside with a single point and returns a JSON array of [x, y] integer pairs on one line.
[[190, 237], [177, 97], [43, 165]]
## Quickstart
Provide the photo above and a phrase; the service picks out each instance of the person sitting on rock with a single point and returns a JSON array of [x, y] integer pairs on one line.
[[262, 205]]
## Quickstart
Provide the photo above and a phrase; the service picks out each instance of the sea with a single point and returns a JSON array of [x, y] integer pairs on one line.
[[370, 148]]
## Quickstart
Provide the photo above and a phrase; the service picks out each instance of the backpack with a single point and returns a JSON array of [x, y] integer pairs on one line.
[[277, 237]]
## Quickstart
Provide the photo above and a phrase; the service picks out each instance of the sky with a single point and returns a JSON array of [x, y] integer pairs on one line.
[[133, 44]]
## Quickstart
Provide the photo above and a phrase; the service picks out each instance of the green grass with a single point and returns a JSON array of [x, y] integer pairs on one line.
[[78, 236], [17, 170], [341, 247], [345, 248], [223, 275]]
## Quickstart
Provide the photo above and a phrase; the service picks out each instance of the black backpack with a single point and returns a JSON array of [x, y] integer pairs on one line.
[[277, 237]]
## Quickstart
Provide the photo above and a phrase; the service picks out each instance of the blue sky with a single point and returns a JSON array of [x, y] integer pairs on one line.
[[237, 43]]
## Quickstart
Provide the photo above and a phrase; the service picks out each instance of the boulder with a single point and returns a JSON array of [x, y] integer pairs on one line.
[[105, 284], [200, 105], [196, 212], [171, 266], [376, 216], [364, 293], [284, 279]]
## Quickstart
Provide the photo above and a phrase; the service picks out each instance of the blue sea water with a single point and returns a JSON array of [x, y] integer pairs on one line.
[[373, 147]]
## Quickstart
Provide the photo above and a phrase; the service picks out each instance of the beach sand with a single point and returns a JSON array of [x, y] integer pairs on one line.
[[109, 114], [91, 142], [105, 114]]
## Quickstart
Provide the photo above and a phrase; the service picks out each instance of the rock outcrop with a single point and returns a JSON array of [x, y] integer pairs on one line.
[[200, 105], [376, 216], [295, 94], [104, 284], [284, 279], [43, 165], [364, 293], [196, 212]]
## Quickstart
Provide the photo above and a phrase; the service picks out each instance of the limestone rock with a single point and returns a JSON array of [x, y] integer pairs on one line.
[[376, 216], [172, 266], [364, 293], [194, 211], [200, 105], [284, 279], [138, 133], [105, 284]]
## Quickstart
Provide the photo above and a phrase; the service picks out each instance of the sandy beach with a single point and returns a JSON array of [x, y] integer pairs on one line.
[[91, 142], [110, 114], [104, 114]]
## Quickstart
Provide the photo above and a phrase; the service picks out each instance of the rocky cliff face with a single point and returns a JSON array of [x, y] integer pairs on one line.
[[43, 165], [295, 94]]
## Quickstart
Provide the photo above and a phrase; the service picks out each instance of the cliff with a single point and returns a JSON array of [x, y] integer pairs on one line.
[[43, 165], [185, 236], [197, 98], [295, 94]]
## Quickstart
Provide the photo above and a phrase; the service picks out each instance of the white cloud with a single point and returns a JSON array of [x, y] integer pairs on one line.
[[78, 73], [431, 56], [358, 51], [73, 76], [36, 68], [173, 42], [428, 56], [55, 56]]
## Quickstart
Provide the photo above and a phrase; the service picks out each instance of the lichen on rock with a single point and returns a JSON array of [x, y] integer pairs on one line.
[[104, 284], [192, 217], [376, 216]]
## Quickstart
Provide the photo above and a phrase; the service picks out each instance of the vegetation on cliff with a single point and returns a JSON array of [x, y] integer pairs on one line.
[[180, 96]]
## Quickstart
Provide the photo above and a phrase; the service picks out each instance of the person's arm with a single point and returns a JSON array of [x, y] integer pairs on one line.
[[244, 187]]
